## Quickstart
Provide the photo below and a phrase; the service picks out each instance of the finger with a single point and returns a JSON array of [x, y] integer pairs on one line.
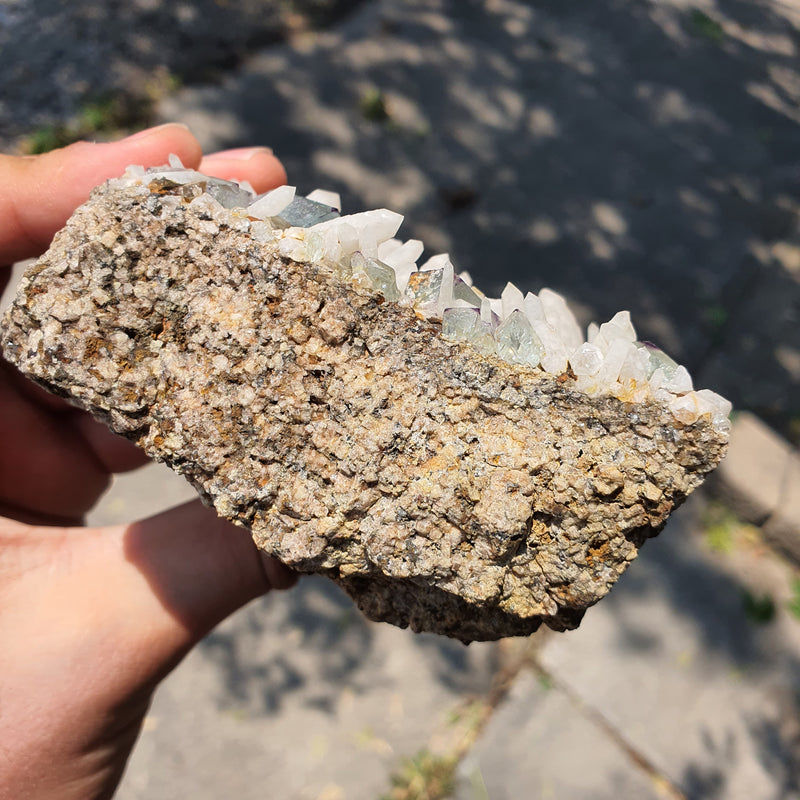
[[278, 575], [187, 570], [46, 466], [115, 453], [39, 193], [254, 164]]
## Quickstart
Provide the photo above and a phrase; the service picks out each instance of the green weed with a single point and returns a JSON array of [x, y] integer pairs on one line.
[[373, 106], [759, 609], [720, 526], [794, 604], [704, 26], [426, 776]]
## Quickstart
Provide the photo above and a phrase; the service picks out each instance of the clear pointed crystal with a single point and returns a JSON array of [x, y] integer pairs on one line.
[[315, 246], [613, 361], [586, 360], [685, 409], [272, 203], [658, 359], [404, 273], [383, 279], [622, 320], [327, 198], [532, 306], [380, 224], [680, 382], [348, 237], [718, 407], [423, 291], [618, 327], [304, 213], [385, 249], [228, 194], [179, 176], [439, 261], [409, 251], [561, 318], [635, 367], [465, 325], [457, 323], [555, 355], [482, 340], [511, 300], [488, 317], [375, 275]]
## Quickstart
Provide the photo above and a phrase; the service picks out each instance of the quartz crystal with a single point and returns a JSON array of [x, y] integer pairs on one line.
[[461, 464], [272, 203], [327, 198]]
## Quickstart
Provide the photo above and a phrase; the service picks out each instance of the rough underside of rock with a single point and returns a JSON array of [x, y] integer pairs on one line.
[[445, 490]]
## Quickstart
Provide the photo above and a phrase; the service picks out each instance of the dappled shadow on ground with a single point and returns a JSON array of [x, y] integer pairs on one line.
[[261, 663], [310, 645], [109, 60], [680, 621], [638, 155]]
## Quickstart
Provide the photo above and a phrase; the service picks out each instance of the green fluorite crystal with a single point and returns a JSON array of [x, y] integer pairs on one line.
[[517, 342]]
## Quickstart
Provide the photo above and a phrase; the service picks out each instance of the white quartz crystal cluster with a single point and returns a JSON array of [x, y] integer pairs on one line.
[[539, 331]]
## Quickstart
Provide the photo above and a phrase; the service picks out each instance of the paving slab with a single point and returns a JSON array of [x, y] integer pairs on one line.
[[299, 697], [136, 495], [673, 663], [752, 476], [540, 745], [783, 527]]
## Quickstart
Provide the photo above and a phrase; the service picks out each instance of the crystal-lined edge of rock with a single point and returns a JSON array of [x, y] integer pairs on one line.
[[389, 427]]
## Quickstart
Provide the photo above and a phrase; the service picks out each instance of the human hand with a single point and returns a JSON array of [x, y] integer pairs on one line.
[[92, 619]]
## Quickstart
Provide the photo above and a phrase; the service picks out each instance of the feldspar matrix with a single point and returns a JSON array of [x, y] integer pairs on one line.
[[460, 464]]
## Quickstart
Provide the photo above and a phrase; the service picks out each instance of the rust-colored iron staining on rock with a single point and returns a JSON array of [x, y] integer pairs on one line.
[[444, 489]]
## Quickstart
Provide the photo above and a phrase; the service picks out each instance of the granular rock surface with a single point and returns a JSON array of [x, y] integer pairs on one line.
[[445, 490]]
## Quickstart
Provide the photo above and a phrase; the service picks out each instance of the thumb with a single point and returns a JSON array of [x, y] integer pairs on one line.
[[38, 193], [137, 596], [91, 620], [185, 571]]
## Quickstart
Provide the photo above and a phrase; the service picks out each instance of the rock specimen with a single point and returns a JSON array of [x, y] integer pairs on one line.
[[458, 464]]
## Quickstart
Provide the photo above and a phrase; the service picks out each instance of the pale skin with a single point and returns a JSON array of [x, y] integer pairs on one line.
[[92, 619]]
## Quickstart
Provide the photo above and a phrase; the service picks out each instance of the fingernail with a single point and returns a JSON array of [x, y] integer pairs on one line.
[[157, 129], [242, 153]]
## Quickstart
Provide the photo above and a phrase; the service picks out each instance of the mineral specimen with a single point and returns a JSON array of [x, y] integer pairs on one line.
[[460, 464]]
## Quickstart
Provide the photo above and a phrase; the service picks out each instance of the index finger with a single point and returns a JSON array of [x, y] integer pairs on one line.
[[39, 193]]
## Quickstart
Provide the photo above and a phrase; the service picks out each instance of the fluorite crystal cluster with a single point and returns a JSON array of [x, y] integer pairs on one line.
[[536, 330], [460, 464]]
